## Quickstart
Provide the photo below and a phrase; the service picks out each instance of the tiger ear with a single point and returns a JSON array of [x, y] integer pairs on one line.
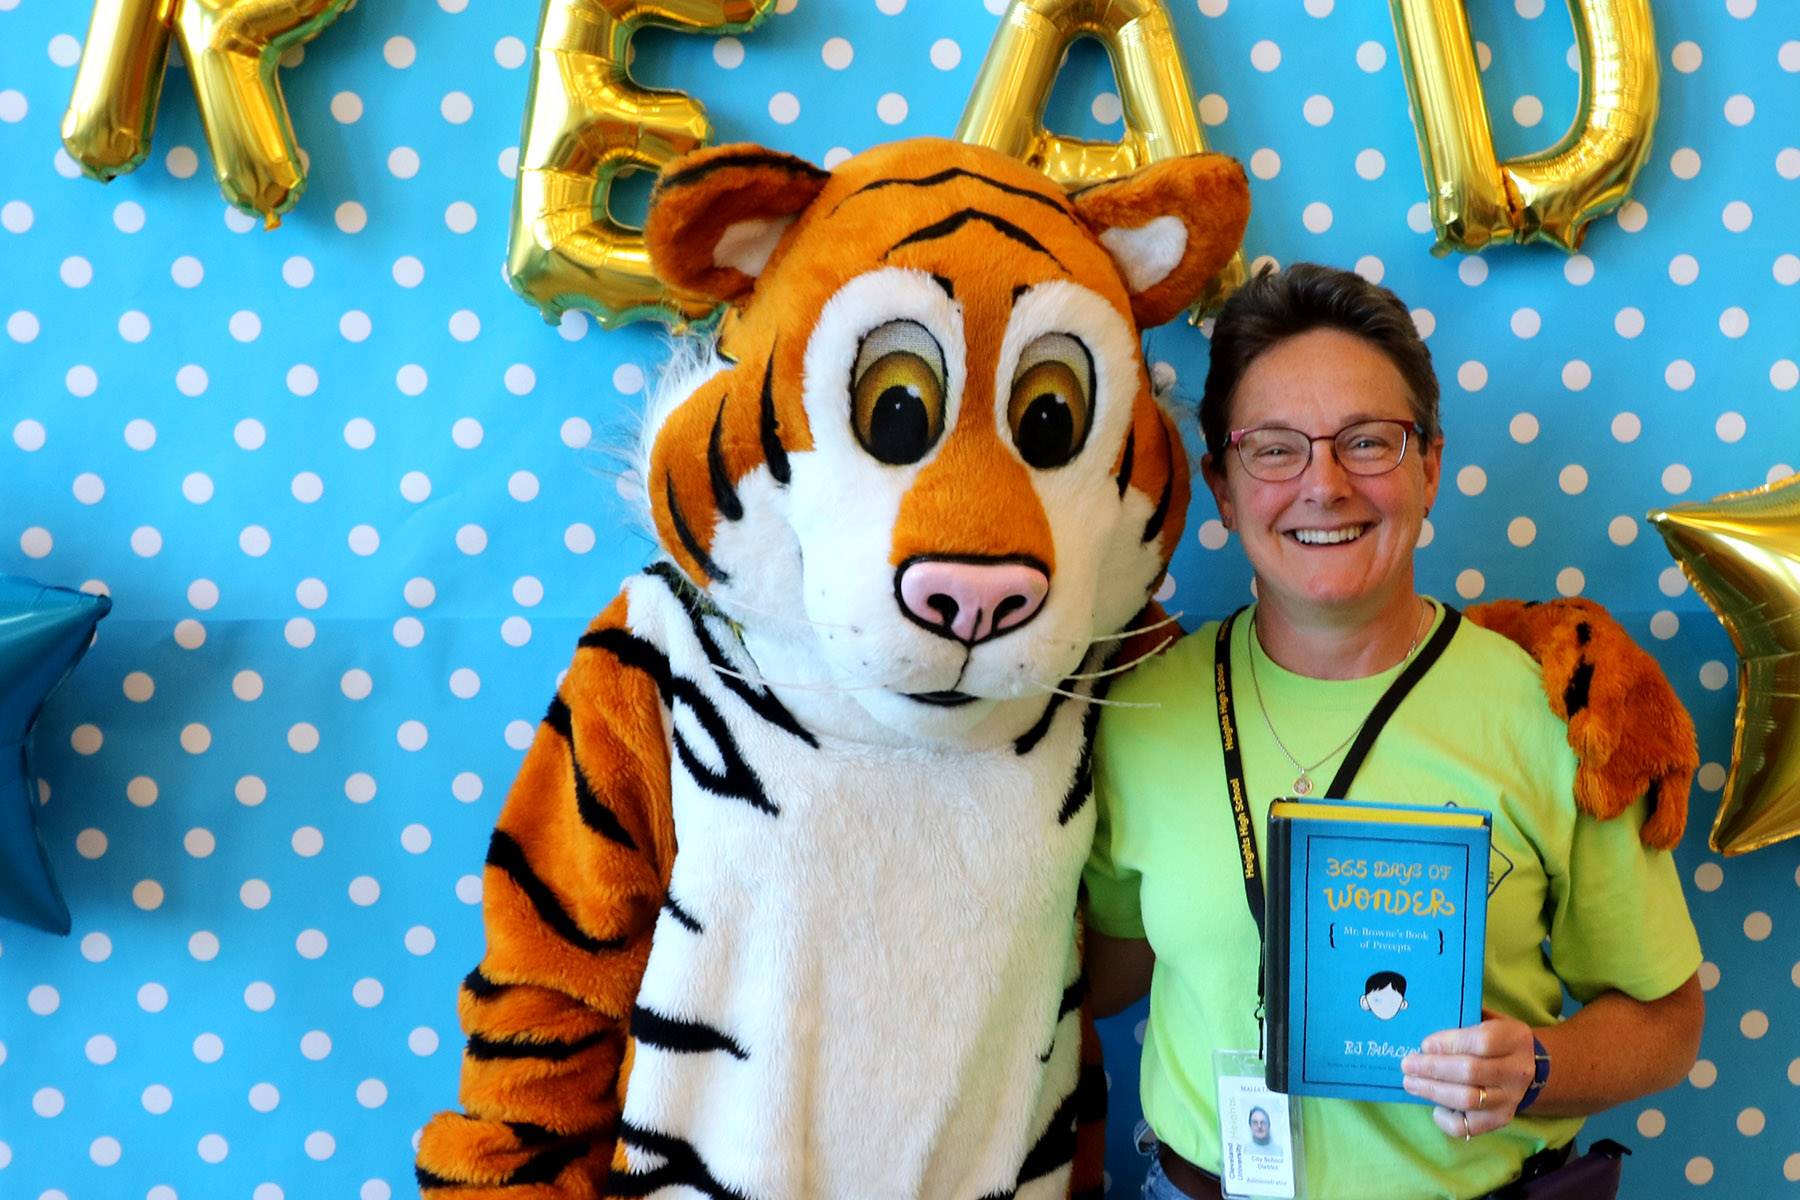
[[716, 215], [1170, 227]]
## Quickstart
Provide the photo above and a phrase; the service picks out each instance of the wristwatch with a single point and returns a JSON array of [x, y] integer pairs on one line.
[[1540, 1074]]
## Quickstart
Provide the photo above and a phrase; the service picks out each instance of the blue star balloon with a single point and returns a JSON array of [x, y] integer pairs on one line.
[[43, 633]]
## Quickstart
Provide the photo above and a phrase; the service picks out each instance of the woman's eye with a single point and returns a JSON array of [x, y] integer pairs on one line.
[[897, 393], [1051, 405]]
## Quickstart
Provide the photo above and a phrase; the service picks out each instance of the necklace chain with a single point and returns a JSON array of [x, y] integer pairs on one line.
[[1303, 784]]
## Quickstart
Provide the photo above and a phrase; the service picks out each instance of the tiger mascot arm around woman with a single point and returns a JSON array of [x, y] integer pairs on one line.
[[782, 903]]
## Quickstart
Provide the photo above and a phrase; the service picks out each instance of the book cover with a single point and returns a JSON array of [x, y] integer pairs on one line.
[[1376, 926]]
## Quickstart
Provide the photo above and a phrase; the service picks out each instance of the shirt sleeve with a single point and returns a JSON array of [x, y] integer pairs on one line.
[[1619, 919], [1113, 906]]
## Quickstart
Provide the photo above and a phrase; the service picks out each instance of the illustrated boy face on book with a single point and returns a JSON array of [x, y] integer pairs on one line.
[[1384, 994]]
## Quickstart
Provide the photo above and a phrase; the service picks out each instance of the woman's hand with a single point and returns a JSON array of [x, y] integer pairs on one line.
[[1476, 1075]]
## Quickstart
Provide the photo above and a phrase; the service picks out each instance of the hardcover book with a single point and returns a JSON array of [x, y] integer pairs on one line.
[[1376, 925]]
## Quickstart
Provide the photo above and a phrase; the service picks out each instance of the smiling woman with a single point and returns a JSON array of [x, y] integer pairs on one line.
[[1324, 454]]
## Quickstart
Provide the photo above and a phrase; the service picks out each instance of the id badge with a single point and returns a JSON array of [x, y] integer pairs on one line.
[[1259, 1132]]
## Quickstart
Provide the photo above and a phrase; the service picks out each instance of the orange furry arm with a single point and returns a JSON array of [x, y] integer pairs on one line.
[[1626, 724], [576, 872]]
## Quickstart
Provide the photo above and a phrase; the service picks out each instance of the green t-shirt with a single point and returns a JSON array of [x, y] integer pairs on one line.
[[1572, 901]]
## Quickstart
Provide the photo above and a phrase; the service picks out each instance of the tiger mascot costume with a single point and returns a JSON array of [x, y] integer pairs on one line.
[[782, 904]]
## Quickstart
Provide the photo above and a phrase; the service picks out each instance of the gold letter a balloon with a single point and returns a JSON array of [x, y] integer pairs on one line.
[[1741, 551], [232, 48]]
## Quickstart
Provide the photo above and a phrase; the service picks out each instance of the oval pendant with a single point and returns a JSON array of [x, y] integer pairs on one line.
[[1302, 786]]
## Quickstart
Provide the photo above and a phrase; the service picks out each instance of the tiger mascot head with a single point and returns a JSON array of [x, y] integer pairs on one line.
[[923, 469]]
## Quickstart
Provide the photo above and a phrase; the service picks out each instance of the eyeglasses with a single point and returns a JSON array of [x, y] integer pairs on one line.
[[1275, 453]]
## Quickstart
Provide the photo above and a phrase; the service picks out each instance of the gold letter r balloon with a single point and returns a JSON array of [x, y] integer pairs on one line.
[[232, 48]]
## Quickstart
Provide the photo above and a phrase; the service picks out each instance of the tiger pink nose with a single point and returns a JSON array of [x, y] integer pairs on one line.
[[970, 601]]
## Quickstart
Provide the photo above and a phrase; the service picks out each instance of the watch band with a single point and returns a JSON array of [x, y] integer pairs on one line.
[[1540, 1074]]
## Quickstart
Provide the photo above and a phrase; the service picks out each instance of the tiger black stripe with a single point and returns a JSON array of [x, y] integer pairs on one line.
[[681, 1167], [1575, 696], [480, 986], [1026, 742], [956, 220], [1056, 1148], [1154, 525], [490, 1049], [1083, 786], [728, 162], [1055, 205], [1124, 477], [773, 450], [652, 1028], [682, 916], [547, 1166], [1072, 996], [737, 781], [594, 814], [631, 651], [724, 494], [508, 856], [431, 1179], [763, 703], [686, 534]]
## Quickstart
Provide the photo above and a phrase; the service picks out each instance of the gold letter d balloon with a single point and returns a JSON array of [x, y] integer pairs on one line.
[[232, 48]]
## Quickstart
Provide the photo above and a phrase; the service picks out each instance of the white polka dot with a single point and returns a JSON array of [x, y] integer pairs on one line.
[[371, 1093], [466, 787], [1736, 216], [1319, 8], [416, 485], [128, 217], [1527, 111], [82, 381], [1470, 583], [153, 997], [946, 55], [15, 216], [1629, 322], [1265, 163], [297, 271], [1472, 376], [460, 217], [784, 108], [157, 1099], [1784, 374], [519, 734], [264, 1097], [254, 894], [1570, 581], [181, 162], [1740, 110], [1685, 163], [359, 433], [43, 1000], [515, 631], [471, 539], [1521, 531], [420, 941], [47, 1102], [208, 1047], [1758, 926], [254, 541], [891, 108], [522, 486], [141, 791], [1526, 322], [259, 997], [1787, 270], [298, 632], [1317, 110], [315, 1045], [1576, 375], [1107, 108], [1676, 479], [1472, 270], [1265, 55], [147, 894], [411, 379], [411, 735], [1622, 530], [403, 162], [367, 992], [835, 156], [1572, 479], [1685, 57], [364, 891], [1523, 428], [409, 631], [1626, 427], [408, 272], [186, 271], [837, 53], [1671, 582], [1703, 1074], [213, 1149], [249, 434], [1316, 217], [1664, 625], [422, 1041], [360, 788], [1371, 56], [1651, 1123], [320, 1145], [22, 327], [311, 944], [1679, 375], [399, 52], [1730, 427], [468, 889], [1789, 57], [579, 538]]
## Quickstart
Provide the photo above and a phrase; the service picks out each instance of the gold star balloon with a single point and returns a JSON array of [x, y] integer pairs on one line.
[[1741, 551]]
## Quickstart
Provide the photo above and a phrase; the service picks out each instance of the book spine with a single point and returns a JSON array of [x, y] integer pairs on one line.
[[1275, 952]]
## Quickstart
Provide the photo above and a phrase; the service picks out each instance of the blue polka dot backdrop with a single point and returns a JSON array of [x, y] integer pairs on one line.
[[354, 501]]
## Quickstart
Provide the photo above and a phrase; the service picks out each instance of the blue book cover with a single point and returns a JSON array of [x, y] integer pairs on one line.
[[1376, 925]]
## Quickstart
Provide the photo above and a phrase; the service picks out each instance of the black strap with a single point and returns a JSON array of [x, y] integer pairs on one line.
[[1236, 790]]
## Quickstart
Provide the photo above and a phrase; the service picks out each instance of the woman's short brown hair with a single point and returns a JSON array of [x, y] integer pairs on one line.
[[1277, 305]]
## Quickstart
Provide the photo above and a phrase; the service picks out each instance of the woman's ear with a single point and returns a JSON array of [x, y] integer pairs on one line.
[[1214, 474], [1170, 227], [716, 216]]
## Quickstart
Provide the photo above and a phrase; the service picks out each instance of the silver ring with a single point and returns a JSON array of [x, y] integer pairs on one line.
[[1467, 1135]]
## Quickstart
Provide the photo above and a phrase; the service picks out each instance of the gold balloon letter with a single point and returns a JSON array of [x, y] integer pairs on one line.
[[1552, 195], [587, 121], [1741, 551], [231, 48], [1006, 107]]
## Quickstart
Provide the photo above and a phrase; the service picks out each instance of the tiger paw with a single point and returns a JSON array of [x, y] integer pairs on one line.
[[1627, 727]]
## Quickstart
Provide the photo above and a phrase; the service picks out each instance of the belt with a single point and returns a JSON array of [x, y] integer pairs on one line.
[[1201, 1185]]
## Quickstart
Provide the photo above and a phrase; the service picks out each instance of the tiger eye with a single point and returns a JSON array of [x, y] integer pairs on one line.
[[897, 393], [1051, 405]]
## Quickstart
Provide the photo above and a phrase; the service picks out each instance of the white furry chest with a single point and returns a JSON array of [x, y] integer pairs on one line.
[[860, 980]]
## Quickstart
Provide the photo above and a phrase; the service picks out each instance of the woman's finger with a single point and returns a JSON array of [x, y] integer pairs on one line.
[[1469, 1098], [1450, 1120]]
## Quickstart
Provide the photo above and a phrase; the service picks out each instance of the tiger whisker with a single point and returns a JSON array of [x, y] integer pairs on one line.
[[1086, 699], [1125, 633], [1122, 667]]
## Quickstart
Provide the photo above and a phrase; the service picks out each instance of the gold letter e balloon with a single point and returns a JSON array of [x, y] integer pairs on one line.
[[232, 48], [588, 121], [1552, 195]]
